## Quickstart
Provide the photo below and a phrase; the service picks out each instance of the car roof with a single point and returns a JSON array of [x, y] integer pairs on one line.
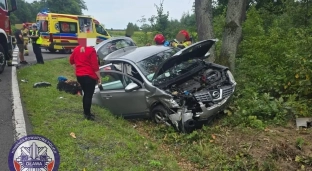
[[98, 46], [141, 53]]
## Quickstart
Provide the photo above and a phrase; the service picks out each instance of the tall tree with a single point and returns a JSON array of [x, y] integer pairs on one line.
[[232, 35], [204, 22]]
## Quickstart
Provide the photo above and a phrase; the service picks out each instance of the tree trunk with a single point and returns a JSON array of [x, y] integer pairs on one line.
[[232, 35], [204, 22]]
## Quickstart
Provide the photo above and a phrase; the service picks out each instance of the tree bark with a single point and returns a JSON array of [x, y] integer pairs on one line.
[[232, 35], [204, 22]]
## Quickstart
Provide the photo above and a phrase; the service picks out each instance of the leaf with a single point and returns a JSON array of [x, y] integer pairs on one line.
[[297, 76], [228, 112], [298, 159], [72, 135], [84, 169], [266, 129], [213, 136]]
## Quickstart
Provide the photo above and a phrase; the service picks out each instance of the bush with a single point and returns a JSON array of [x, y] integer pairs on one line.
[[273, 72]]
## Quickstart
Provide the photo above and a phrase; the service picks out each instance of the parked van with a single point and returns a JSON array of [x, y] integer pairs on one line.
[[60, 31]]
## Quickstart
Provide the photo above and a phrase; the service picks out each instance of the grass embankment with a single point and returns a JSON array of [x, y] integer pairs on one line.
[[106, 144], [115, 144]]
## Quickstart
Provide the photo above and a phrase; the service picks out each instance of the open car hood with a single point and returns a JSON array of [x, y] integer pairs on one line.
[[196, 50]]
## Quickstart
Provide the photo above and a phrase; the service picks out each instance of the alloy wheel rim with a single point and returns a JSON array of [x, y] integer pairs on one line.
[[159, 117]]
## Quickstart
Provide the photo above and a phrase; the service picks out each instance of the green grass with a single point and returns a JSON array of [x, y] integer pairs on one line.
[[108, 143]]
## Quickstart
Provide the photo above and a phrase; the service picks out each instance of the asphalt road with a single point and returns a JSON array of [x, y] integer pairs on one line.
[[6, 123], [46, 55]]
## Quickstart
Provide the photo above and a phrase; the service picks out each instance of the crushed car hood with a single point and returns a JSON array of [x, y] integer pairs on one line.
[[196, 50]]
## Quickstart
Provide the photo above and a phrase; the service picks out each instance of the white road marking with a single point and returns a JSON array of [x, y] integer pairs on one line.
[[17, 108], [15, 59]]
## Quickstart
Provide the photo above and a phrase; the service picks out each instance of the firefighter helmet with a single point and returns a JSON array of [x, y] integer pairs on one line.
[[186, 34], [159, 39]]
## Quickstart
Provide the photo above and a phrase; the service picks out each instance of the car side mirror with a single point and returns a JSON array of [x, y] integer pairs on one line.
[[132, 86]]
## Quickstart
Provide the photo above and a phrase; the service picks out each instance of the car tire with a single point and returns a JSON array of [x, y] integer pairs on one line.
[[159, 113], [2, 59]]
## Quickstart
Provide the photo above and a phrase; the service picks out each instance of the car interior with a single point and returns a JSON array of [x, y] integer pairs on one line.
[[115, 81]]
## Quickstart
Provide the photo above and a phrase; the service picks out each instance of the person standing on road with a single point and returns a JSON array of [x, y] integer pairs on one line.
[[20, 44], [30, 33], [25, 33], [36, 43], [85, 62]]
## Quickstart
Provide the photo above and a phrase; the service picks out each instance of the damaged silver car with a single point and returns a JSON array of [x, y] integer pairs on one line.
[[172, 86]]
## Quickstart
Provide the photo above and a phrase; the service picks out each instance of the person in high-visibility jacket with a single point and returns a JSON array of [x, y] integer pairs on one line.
[[36, 43], [30, 33], [184, 39], [25, 33]]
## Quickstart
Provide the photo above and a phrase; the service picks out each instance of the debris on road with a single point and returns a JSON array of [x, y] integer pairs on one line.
[[42, 84]]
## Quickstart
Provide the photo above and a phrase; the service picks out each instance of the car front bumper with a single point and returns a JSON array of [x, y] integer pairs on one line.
[[213, 110]]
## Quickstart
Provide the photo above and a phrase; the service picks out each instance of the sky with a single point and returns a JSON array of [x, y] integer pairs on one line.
[[117, 13]]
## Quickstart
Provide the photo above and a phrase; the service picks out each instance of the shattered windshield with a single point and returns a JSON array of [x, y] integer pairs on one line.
[[149, 65]]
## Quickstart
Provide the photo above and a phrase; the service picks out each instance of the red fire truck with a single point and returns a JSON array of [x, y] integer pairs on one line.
[[6, 46]]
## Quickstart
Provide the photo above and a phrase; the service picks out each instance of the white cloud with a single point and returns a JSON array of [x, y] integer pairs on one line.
[[117, 13]]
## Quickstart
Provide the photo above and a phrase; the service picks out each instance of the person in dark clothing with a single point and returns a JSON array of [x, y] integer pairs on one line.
[[36, 43], [85, 62], [20, 44]]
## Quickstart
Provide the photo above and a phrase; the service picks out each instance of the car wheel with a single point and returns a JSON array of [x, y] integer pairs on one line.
[[159, 114], [2, 59]]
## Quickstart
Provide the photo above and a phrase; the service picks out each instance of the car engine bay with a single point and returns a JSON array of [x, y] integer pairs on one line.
[[208, 86]]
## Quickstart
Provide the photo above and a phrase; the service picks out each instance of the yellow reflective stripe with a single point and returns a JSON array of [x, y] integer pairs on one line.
[[187, 43], [39, 41]]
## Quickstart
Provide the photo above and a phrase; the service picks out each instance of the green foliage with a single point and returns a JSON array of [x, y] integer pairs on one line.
[[273, 71], [160, 23], [27, 12], [131, 28]]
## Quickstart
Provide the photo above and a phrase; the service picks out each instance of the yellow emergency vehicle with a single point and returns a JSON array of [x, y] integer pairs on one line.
[[60, 31]]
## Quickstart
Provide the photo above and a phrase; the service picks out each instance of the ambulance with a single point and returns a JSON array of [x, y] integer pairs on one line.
[[60, 31]]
